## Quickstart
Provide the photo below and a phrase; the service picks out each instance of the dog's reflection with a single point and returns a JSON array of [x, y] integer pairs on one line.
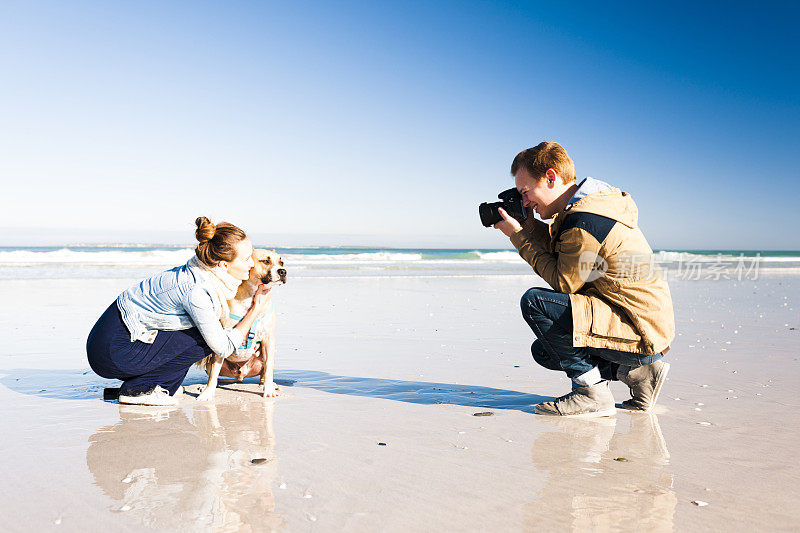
[[604, 474], [208, 467]]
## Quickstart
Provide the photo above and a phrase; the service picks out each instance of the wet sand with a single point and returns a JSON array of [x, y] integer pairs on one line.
[[405, 362]]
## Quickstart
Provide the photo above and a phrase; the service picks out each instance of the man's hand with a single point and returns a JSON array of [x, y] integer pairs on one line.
[[508, 225]]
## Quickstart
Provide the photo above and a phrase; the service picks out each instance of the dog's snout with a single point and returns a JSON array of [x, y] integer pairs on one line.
[[282, 273]]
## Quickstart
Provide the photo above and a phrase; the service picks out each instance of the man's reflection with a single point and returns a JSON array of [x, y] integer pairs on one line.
[[179, 469], [604, 474]]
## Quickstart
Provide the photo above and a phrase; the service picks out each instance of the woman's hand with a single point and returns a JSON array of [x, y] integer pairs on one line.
[[260, 300], [257, 308]]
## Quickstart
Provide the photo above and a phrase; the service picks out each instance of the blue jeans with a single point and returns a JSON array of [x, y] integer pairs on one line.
[[549, 315], [142, 366]]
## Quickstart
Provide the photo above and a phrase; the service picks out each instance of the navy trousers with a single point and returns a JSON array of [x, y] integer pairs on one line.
[[142, 366], [549, 315]]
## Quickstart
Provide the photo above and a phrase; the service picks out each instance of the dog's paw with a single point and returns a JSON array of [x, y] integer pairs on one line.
[[206, 396], [270, 390]]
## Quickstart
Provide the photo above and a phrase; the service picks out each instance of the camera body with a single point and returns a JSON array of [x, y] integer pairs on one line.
[[511, 202]]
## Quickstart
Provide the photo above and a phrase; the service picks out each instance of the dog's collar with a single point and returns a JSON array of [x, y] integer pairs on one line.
[[251, 335], [270, 310]]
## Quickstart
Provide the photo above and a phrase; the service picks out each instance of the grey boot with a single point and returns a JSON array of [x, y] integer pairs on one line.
[[581, 402], [645, 384]]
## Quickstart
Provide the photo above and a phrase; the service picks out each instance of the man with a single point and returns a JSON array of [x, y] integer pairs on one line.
[[609, 315]]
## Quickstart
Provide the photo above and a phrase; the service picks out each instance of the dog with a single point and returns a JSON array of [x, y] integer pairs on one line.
[[256, 357]]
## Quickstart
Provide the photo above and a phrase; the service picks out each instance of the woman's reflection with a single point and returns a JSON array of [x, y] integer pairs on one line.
[[180, 469]]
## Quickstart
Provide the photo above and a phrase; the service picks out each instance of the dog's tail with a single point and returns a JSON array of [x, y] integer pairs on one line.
[[205, 361]]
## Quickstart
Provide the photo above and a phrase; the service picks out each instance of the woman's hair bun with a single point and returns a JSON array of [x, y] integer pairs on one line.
[[205, 229], [216, 242]]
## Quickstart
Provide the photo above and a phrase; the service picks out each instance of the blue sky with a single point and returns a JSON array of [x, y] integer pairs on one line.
[[387, 124]]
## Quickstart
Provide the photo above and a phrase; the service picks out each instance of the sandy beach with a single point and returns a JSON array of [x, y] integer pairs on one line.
[[375, 429]]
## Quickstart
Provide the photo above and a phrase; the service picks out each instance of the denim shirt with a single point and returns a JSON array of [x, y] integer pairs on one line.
[[177, 299]]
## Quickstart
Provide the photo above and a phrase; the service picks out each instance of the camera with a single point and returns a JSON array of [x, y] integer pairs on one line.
[[511, 202]]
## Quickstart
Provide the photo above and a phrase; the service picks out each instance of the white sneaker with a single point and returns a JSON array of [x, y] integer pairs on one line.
[[157, 396]]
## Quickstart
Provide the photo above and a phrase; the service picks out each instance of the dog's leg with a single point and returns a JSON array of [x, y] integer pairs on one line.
[[212, 369], [267, 372], [262, 354]]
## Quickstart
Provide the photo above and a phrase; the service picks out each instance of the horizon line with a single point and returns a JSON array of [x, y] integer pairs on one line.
[[112, 244]]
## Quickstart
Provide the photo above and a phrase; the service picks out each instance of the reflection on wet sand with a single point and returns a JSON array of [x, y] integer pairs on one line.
[[190, 468], [603, 474]]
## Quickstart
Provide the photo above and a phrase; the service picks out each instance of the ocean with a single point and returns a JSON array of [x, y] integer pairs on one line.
[[142, 260]]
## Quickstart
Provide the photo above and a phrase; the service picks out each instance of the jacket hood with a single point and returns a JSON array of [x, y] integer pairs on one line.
[[612, 203]]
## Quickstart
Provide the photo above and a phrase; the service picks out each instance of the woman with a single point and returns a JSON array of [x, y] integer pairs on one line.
[[153, 333]]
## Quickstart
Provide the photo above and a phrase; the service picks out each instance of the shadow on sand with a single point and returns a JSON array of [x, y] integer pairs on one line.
[[85, 385]]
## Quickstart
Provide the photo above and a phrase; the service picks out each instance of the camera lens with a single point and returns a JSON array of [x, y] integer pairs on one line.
[[489, 213]]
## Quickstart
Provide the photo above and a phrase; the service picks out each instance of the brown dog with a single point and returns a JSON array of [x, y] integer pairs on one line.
[[257, 356]]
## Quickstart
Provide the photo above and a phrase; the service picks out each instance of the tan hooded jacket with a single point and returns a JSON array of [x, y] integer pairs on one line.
[[595, 252]]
